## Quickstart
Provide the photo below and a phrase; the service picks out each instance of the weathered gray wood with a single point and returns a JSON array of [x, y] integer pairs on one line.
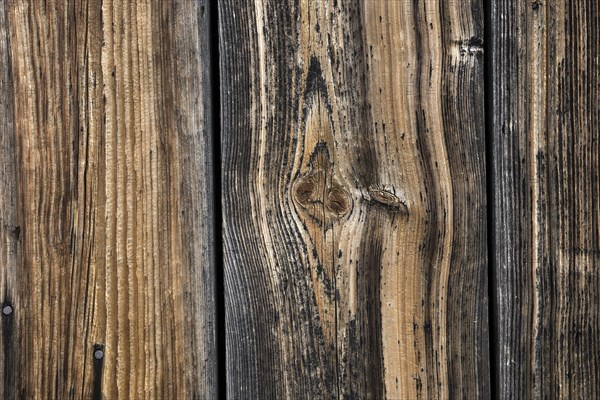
[[190, 54], [545, 103], [354, 199]]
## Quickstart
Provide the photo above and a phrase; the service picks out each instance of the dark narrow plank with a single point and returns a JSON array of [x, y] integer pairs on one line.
[[114, 295], [354, 199], [10, 231], [546, 80], [187, 54], [192, 109]]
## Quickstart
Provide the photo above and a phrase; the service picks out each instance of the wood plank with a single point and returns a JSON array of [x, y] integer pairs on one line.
[[10, 232], [114, 296], [354, 199], [546, 80]]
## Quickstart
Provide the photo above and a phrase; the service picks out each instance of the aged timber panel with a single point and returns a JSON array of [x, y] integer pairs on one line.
[[106, 247], [546, 76], [10, 232], [354, 199]]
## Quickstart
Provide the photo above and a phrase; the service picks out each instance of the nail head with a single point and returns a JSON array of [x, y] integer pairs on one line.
[[98, 354], [7, 310]]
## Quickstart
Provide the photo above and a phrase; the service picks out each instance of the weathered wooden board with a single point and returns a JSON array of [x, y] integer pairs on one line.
[[354, 199], [10, 231], [107, 245], [546, 81]]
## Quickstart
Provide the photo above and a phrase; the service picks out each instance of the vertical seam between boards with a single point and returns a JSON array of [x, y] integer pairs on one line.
[[219, 284], [488, 93]]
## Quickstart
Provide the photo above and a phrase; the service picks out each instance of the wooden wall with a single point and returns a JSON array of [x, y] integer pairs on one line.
[[267, 199]]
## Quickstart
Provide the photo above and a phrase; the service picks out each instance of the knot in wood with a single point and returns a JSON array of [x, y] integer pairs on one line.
[[321, 198], [305, 189], [338, 201], [386, 198]]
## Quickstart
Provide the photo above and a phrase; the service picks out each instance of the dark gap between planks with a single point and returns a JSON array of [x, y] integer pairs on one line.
[[215, 87], [488, 80]]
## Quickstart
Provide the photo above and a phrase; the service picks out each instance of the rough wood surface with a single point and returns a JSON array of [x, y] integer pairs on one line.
[[354, 199], [546, 82], [10, 231], [114, 294]]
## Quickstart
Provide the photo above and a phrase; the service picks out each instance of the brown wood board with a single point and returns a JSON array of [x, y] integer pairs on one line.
[[544, 61], [354, 200], [107, 200]]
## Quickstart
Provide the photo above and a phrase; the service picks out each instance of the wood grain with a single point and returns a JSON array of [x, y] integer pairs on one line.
[[114, 295], [10, 232], [354, 199], [546, 81]]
